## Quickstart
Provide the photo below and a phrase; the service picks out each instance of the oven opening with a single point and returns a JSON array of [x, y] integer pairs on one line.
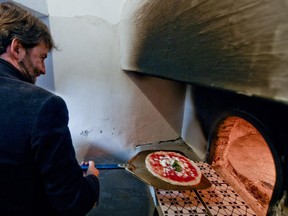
[[241, 156]]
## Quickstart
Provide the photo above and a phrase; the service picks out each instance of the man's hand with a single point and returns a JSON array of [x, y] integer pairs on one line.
[[92, 170]]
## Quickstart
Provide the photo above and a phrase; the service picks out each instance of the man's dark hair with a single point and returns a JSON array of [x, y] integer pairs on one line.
[[18, 23]]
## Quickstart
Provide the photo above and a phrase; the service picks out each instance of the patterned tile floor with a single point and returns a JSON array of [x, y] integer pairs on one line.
[[219, 199]]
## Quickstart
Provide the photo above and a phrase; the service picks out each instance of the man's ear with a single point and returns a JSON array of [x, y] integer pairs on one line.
[[16, 49]]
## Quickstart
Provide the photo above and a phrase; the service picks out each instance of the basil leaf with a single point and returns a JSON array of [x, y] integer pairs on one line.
[[176, 166]]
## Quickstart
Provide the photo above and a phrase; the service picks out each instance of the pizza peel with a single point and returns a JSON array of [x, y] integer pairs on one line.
[[137, 167]]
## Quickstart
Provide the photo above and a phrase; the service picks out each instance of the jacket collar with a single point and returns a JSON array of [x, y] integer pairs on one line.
[[8, 70]]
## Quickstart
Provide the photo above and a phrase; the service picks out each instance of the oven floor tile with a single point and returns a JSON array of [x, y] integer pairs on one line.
[[180, 203], [231, 210], [216, 195], [220, 199]]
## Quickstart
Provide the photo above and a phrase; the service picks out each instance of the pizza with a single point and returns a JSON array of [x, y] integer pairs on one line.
[[173, 168]]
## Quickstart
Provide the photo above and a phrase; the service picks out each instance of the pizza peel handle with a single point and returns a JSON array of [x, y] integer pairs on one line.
[[104, 166], [137, 167]]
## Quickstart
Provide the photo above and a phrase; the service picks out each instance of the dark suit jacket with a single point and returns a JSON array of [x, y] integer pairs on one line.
[[39, 174]]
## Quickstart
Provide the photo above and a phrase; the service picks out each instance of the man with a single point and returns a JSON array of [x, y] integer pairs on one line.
[[39, 174]]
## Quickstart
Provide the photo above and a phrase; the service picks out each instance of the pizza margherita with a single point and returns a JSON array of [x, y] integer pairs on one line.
[[173, 168]]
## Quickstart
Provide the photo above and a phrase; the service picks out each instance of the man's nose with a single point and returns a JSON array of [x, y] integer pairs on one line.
[[43, 69]]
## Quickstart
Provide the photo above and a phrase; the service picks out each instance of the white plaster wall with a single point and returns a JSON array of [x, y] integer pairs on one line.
[[191, 131], [37, 8], [110, 110], [109, 10]]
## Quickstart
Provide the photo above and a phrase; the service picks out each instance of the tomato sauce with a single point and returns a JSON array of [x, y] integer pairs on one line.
[[186, 174]]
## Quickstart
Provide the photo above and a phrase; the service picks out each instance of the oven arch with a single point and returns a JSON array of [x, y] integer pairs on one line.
[[262, 129]]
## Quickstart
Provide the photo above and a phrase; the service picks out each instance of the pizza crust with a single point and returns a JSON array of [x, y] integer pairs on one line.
[[173, 168]]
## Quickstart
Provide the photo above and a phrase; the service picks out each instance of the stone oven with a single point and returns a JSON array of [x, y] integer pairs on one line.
[[234, 55], [246, 137]]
